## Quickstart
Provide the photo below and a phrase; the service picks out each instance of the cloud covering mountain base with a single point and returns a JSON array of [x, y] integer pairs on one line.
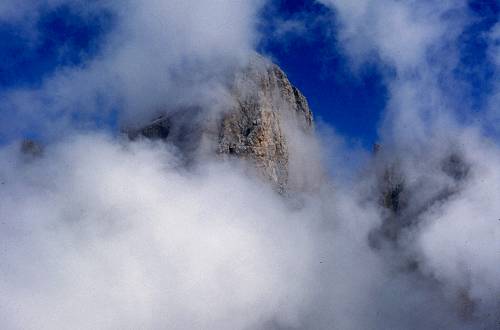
[[101, 232]]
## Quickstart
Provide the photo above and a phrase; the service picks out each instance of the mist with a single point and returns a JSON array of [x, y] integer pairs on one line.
[[101, 232], [154, 56]]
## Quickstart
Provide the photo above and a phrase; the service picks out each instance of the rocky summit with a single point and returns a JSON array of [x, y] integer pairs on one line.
[[265, 111]]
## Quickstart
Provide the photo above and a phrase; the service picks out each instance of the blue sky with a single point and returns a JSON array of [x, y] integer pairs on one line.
[[65, 39], [317, 66], [309, 53], [354, 103]]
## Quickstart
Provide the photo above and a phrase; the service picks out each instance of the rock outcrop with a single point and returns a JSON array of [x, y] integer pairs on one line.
[[256, 128], [397, 190], [31, 149], [266, 109]]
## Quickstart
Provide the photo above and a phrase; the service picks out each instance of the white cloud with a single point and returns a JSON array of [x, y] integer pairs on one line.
[[453, 225], [102, 235], [105, 233], [158, 55], [400, 32]]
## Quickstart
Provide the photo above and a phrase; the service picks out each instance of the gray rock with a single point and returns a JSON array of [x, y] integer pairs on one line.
[[158, 129], [31, 149], [266, 109], [255, 130]]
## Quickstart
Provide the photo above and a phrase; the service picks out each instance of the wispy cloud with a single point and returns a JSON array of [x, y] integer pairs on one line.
[[101, 232]]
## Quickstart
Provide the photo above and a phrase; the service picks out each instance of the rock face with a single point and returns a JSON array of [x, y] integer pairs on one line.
[[266, 109], [404, 207], [255, 129]]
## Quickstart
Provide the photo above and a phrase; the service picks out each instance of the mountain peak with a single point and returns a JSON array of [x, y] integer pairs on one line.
[[266, 110]]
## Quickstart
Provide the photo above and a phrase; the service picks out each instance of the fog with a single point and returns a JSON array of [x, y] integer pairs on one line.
[[99, 232]]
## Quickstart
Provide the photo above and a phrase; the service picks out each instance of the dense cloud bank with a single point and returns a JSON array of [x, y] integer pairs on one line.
[[104, 235], [100, 232]]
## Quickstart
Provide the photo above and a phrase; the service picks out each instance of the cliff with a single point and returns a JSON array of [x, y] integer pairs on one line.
[[266, 109]]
